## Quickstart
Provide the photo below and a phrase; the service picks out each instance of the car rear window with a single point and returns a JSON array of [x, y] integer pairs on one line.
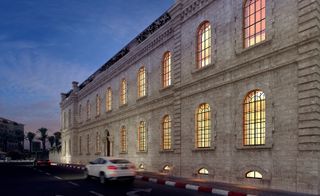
[[119, 161]]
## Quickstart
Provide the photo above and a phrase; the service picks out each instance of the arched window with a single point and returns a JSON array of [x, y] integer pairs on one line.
[[98, 142], [141, 166], [142, 82], [88, 144], [123, 139], [109, 99], [166, 168], [254, 22], [80, 145], [203, 171], [254, 118], [142, 137], [98, 105], [254, 174], [166, 132], [88, 109], [203, 126], [166, 70], [80, 112], [123, 92], [204, 45]]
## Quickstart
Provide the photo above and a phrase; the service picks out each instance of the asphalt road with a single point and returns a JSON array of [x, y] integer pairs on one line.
[[58, 181]]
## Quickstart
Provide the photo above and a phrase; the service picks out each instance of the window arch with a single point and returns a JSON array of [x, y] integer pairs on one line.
[[142, 82], [254, 22], [203, 126], [254, 174], [203, 171], [98, 105], [166, 69], [123, 92], [142, 137], [166, 133], [109, 99], [123, 139], [254, 118], [204, 45]]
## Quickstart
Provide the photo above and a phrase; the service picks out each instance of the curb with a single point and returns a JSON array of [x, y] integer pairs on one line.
[[182, 185]]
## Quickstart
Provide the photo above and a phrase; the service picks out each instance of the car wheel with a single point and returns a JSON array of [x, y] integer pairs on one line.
[[85, 174], [102, 178]]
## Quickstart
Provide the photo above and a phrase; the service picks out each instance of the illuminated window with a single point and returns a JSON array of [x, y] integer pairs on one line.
[[109, 99], [203, 171], [80, 145], [80, 111], [88, 144], [254, 121], [142, 82], [253, 174], [166, 168], [166, 132], [203, 126], [166, 70], [204, 45], [123, 139], [254, 22], [141, 166], [88, 109], [98, 105], [123, 92], [142, 139], [98, 142]]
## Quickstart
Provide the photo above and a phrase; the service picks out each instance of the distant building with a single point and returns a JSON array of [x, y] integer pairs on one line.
[[223, 90], [11, 135], [36, 146]]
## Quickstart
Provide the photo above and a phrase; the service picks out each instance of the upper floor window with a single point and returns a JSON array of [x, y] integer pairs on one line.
[[203, 171], [64, 119], [98, 142], [109, 99], [166, 133], [123, 92], [142, 137], [254, 22], [98, 105], [88, 144], [123, 139], [142, 82], [88, 109], [203, 126], [254, 117], [204, 45], [69, 118], [166, 70], [80, 112], [254, 174]]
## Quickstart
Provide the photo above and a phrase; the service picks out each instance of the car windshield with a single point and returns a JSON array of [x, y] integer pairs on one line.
[[119, 161]]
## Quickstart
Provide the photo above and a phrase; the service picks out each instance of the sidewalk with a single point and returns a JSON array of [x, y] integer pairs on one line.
[[203, 185]]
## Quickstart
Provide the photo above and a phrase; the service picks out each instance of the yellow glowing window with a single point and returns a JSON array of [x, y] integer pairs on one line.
[[204, 45], [166, 70], [141, 166], [166, 132], [142, 139], [109, 99], [203, 126], [123, 92], [98, 105], [254, 22], [254, 174], [166, 168], [254, 121], [88, 109], [142, 82], [123, 139], [203, 171], [98, 142]]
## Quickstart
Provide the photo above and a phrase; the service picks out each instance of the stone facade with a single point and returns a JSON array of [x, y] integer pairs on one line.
[[285, 66]]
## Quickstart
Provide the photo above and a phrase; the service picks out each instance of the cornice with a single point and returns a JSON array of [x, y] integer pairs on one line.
[[193, 7]]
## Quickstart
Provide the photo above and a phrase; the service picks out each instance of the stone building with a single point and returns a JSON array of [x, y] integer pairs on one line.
[[226, 90], [11, 135]]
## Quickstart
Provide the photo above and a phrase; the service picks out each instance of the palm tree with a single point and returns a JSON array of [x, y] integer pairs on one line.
[[30, 137], [57, 137], [43, 137], [51, 140]]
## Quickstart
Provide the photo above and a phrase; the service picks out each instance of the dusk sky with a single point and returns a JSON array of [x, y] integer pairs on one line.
[[47, 44]]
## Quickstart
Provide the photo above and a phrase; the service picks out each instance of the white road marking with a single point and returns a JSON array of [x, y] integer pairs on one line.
[[95, 193], [74, 184], [133, 193], [220, 192], [58, 177], [192, 187], [48, 174], [153, 180], [170, 183]]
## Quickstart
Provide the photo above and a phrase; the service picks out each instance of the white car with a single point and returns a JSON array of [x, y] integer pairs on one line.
[[110, 168]]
